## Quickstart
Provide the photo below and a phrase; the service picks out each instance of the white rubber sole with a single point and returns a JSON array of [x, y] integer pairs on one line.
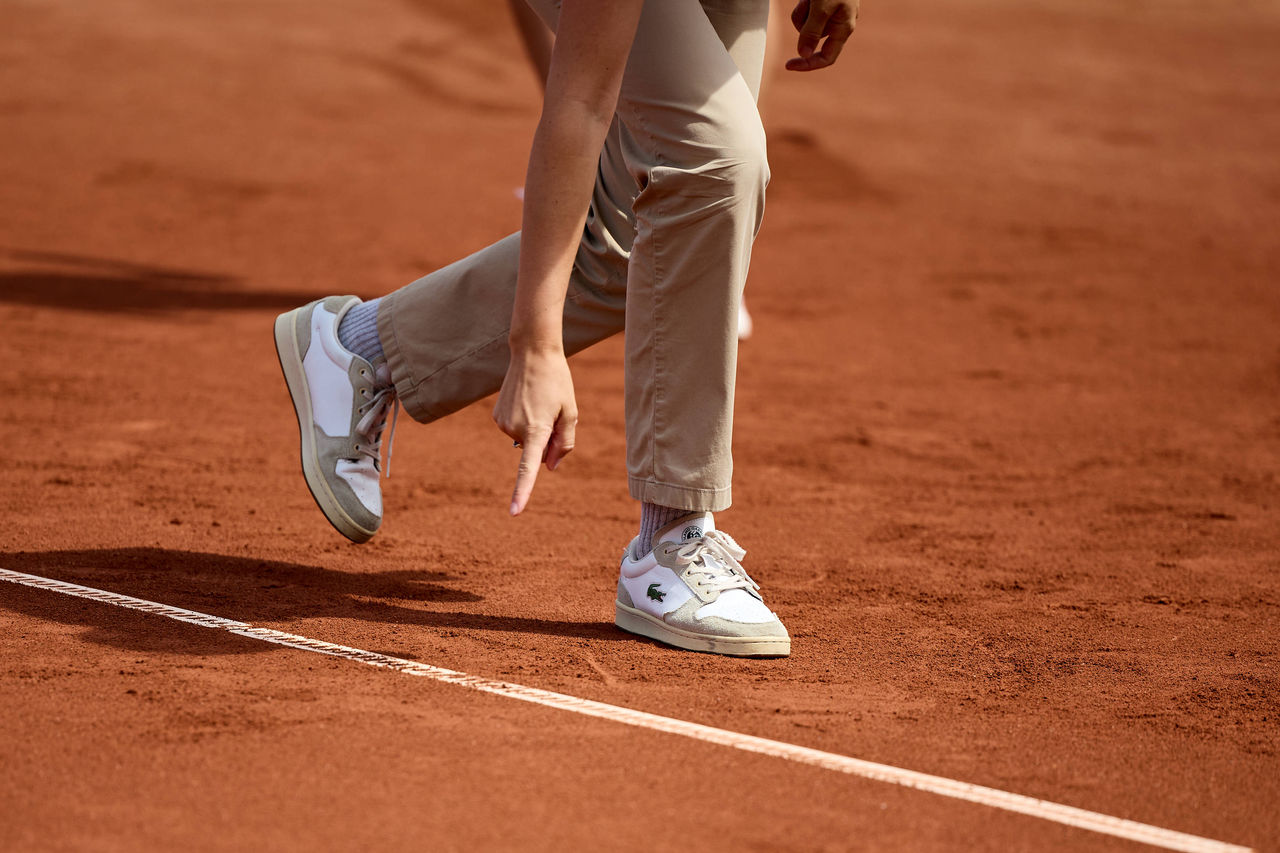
[[638, 622], [296, 378]]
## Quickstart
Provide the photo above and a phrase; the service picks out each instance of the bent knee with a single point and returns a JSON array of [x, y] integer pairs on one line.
[[730, 162], [743, 164], [734, 151]]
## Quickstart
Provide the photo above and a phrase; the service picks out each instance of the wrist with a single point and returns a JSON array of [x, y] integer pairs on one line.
[[524, 342]]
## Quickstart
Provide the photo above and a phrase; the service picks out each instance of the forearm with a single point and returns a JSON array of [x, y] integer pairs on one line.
[[582, 91], [562, 170]]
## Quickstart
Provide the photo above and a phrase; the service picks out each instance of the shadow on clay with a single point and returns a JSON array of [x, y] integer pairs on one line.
[[85, 283], [261, 592], [803, 166]]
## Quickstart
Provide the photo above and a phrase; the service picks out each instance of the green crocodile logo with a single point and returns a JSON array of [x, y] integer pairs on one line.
[[655, 593]]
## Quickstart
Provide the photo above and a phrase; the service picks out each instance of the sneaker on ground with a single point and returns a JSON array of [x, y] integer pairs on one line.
[[690, 591], [342, 402]]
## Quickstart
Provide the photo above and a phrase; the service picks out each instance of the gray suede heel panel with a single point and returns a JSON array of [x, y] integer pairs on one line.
[[623, 596], [302, 332]]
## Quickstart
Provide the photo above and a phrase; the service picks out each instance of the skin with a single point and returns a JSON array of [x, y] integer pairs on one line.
[[824, 27], [536, 406]]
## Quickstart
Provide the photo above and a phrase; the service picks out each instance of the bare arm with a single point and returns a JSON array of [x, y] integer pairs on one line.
[[536, 406]]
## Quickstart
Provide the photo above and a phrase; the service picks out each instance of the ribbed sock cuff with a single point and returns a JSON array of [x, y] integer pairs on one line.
[[652, 519], [358, 332]]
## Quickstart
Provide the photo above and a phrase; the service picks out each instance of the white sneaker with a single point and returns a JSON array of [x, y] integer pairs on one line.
[[690, 591], [342, 402]]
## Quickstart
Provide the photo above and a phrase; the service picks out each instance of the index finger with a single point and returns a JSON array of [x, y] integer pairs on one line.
[[527, 471]]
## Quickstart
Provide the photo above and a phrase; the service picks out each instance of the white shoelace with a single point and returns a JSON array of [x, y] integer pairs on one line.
[[370, 427], [713, 559]]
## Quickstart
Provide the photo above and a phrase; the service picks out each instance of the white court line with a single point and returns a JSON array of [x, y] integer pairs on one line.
[[1068, 815]]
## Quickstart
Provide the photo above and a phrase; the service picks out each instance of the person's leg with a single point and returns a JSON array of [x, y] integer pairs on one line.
[[688, 110], [690, 137], [688, 107]]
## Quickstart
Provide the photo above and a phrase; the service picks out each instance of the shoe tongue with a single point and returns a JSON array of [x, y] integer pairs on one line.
[[695, 525]]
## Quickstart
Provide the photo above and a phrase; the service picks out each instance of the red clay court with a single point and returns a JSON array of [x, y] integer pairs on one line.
[[1007, 443]]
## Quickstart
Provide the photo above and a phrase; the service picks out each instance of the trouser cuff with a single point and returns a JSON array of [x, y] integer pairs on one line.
[[680, 497]]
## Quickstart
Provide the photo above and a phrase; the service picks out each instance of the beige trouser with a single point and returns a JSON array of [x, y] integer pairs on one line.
[[664, 254]]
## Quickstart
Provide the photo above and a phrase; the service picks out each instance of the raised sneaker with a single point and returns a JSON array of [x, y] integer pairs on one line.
[[691, 591], [342, 402]]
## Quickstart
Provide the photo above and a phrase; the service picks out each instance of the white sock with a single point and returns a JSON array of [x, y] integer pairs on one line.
[[654, 517]]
